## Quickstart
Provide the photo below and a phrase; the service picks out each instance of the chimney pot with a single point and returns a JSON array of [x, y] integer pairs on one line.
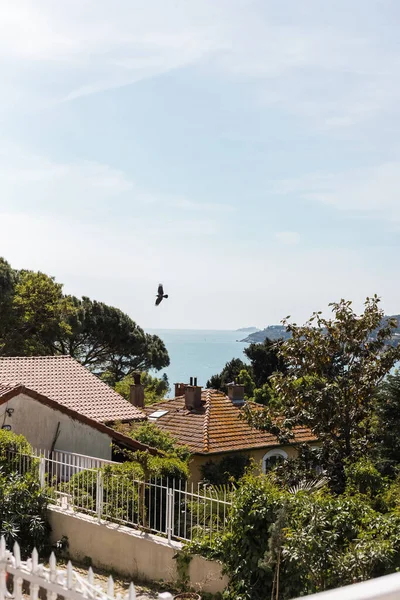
[[191, 381], [195, 381]]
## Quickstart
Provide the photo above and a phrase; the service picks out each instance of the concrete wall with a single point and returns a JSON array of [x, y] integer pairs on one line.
[[256, 455], [130, 552], [38, 423]]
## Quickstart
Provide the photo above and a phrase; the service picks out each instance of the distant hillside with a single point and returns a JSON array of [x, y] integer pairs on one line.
[[248, 329], [276, 332], [273, 332]]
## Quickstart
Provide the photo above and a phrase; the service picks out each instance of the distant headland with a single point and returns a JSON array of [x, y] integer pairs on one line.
[[276, 332]]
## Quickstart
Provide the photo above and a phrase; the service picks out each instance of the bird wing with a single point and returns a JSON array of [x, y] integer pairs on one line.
[[160, 289], [158, 300]]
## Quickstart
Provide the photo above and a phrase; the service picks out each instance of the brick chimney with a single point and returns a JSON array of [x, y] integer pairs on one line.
[[193, 395], [236, 393], [136, 393], [180, 389]]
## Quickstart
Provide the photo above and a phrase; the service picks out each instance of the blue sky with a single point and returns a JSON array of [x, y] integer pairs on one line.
[[244, 152]]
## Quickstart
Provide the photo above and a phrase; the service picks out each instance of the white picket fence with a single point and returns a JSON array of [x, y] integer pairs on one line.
[[66, 583], [169, 507]]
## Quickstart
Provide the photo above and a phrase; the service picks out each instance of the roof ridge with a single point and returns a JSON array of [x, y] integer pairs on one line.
[[206, 424], [45, 357]]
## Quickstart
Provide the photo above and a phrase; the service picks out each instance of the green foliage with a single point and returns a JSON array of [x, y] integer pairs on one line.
[[228, 374], [36, 318], [333, 541], [286, 544], [265, 359], [267, 396], [333, 369], [230, 468], [386, 425], [149, 434], [126, 498], [23, 512], [11, 446], [155, 388], [23, 505], [109, 342], [256, 505], [363, 477], [244, 378]]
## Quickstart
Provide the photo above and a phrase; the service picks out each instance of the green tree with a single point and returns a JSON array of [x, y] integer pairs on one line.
[[41, 312], [109, 342], [244, 378], [265, 360], [7, 317], [228, 374], [333, 369], [387, 424], [23, 504], [36, 318]]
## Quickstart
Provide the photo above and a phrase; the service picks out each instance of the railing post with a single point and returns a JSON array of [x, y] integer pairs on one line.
[[169, 513], [99, 495], [42, 472]]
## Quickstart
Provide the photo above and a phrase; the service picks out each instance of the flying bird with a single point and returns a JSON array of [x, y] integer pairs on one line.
[[160, 294]]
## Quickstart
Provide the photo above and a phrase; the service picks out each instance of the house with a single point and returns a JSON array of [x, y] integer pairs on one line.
[[57, 404], [210, 424]]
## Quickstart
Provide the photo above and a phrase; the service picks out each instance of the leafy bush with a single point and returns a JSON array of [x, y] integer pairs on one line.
[[15, 453], [286, 544], [23, 512], [150, 434], [23, 505], [121, 487], [229, 468]]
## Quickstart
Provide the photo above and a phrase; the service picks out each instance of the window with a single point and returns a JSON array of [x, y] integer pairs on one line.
[[273, 458], [157, 414]]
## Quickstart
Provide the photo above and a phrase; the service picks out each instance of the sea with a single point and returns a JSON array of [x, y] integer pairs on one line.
[[198, 353]]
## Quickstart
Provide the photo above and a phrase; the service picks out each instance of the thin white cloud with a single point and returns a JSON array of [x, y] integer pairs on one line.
[[304, 58], [289, 238], [27, 180], [370, 191]]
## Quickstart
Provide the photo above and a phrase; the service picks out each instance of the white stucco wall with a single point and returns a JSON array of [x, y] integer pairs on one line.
[[130, 552], [38, 423]]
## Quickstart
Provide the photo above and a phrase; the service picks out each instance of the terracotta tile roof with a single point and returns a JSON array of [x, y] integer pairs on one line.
[[118, 437], [67, 382], [216, 427]]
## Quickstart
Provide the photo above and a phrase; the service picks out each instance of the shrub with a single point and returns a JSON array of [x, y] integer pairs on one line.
[[229, 468], [15, 453], [286, 544], [151, 435], [23, 505], [23, 512], [122, 486]]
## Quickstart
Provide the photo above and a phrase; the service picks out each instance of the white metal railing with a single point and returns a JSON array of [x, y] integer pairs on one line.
[[381, 588], [65, 583], [165, 506]]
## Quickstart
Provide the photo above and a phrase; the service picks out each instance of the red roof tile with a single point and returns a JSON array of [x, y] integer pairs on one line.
[[67, 382], [216, 427]]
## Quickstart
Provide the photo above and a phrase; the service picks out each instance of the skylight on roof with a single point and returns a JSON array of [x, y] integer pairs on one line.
[[157, 414]]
